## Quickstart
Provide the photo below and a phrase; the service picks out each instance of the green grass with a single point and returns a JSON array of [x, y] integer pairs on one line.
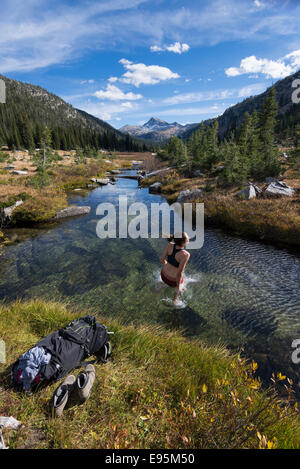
[[159, 391], [40, 209], [45, 192], [275, 220]]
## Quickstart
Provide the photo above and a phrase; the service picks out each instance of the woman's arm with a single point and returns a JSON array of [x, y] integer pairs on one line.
[[181, 267], [164, 255]]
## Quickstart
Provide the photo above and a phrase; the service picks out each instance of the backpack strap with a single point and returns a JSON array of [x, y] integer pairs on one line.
[[106, 354]]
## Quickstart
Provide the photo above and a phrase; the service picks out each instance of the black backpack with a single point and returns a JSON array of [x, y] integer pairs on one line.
[[68, 348]]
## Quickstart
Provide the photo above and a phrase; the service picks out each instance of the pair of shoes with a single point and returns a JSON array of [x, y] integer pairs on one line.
[[83, 385]]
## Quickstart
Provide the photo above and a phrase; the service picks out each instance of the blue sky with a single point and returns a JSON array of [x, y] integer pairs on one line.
[[128, 60]]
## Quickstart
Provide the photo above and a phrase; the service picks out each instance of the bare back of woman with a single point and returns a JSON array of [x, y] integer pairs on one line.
[[174, 260]]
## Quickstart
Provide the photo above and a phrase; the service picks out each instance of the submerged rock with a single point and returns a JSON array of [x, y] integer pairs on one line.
[[73, 211], [188, 195], [279, 188]]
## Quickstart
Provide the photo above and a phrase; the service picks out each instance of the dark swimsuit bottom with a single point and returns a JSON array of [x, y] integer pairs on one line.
[[172, 260]]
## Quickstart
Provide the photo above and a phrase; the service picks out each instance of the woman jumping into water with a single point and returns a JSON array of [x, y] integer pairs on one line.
[[174, 260]]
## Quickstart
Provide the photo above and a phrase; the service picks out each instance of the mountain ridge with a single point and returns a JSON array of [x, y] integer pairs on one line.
[[155, 129], [30, 108], [288, 116]]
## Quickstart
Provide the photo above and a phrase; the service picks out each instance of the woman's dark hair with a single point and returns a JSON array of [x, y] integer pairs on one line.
[[179, 238]]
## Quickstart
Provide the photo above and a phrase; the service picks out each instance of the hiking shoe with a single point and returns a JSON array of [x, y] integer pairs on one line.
[[61, 395], [85, 381]]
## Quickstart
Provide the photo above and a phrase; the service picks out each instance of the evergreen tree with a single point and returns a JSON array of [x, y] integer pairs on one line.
[[25, 133], [296, 151], [270, 155], [176, 151], [254, 154], [236, 165], [46, 146]]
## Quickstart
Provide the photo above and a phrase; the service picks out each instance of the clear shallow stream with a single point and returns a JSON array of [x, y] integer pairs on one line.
[[237, 292]]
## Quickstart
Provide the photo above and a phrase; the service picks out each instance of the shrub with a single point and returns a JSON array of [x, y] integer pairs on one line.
[[40, 180]]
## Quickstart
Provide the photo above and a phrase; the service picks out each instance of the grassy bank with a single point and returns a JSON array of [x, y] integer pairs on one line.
[[43, 195], [159, 391], [276, 220]]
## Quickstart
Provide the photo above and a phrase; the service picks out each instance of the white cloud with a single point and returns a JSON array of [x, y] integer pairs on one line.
[[216, 94], [294, 57], [42, 33], [38, 34], [83, 82], [156, 49], [270, 68], [258, 4], [113, 79], [109, 111], [141, 74], [177, 48], [214, 110], [113, 93]]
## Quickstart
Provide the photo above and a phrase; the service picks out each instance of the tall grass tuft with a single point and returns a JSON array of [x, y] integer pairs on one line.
[[160, 391]]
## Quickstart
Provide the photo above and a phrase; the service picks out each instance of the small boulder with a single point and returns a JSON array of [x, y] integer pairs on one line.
[[278, 188], [102, 182], [72, 211], [198, 174], [6, 213], [155, 188], [189, 195], [20, 173], [247, 193]]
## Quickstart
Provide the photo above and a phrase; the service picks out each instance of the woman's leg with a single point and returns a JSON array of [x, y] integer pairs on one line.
[[179, 289]]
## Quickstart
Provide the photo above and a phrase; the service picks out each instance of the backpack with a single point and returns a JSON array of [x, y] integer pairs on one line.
[[68, 347]]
